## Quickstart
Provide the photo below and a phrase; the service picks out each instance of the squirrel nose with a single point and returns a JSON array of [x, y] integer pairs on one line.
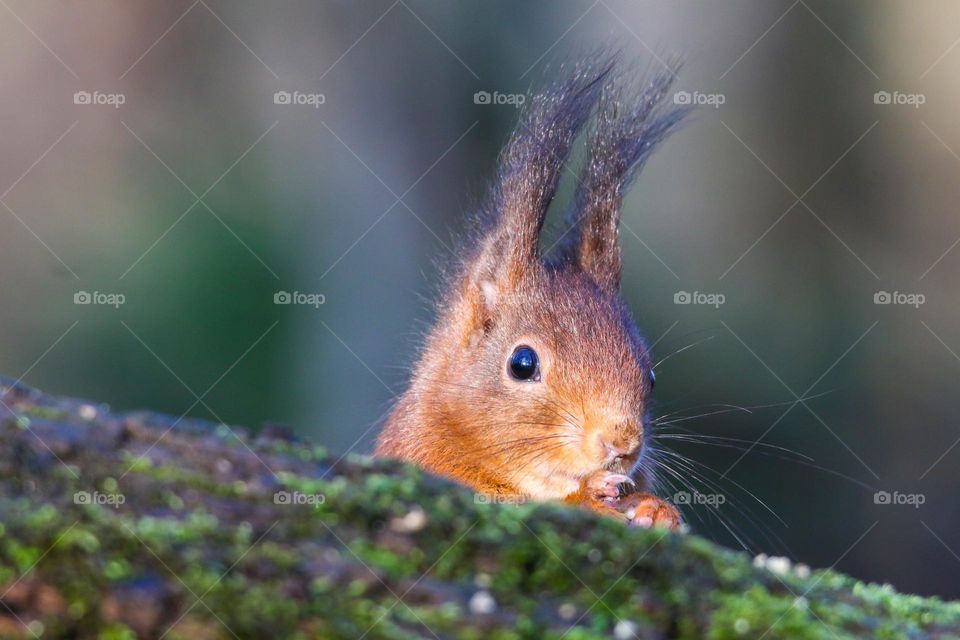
[[619, 448]]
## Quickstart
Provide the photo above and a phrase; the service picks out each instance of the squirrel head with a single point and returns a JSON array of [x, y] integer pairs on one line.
[[535, 374]]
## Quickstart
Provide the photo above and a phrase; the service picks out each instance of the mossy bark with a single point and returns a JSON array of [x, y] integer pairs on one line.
[[139, 525]]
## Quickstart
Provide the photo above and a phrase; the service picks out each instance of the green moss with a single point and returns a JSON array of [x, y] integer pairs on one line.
[[756, 612], [388, 551]]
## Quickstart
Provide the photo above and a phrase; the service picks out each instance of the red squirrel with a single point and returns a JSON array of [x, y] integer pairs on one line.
[[534, 383]]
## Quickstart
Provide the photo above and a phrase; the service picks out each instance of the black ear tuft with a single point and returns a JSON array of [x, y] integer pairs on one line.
[[531, 164], [628, 129]]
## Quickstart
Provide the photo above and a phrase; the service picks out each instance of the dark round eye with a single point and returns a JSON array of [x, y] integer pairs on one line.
[[653, 379], [524, 364]]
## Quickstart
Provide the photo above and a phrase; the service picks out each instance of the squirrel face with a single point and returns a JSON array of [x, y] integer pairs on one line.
[[535, 375], [564, 362]]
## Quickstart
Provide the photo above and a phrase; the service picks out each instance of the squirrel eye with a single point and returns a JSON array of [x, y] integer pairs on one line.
[[524, 364], [653, 379]]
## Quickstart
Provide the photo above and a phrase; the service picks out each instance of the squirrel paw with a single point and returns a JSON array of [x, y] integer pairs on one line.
[[605, 487], [647, 510]]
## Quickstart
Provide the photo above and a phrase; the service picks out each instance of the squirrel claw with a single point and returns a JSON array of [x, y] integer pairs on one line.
[[646, 510], [601, 492], [606, 486]]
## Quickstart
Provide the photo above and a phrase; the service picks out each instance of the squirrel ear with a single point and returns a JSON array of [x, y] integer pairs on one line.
[[529, 170], [622, 141]]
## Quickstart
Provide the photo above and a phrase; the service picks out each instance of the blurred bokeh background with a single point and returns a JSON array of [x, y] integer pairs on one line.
[[795, 192]]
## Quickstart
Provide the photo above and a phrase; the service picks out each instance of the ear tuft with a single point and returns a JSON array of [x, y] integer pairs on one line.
[[529, 170], [532, 161], [628, 129]]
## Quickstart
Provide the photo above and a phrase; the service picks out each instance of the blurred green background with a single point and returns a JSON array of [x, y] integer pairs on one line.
[[799, 198]]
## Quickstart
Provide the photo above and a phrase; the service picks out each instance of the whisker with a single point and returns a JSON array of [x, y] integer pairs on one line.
[[730, 407], [510, 443], [682, 349], [664, 423], [723, 442], [749, 409], [537, 455], [770, 539], [728, 479], [673, 491], [742, 539], [805, 460]]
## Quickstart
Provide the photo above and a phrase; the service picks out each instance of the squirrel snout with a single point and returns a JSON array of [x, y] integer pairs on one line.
[[620, 448]]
